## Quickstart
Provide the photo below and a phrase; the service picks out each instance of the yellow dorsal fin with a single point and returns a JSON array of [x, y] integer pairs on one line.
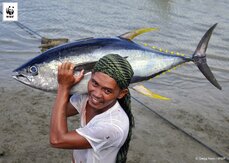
[[130, 35], [143, 90]]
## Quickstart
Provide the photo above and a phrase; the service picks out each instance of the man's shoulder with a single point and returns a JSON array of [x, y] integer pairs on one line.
[[78, 101], [78, 97], [116, 116]]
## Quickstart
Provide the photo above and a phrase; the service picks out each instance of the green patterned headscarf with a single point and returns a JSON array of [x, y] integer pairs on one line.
[[116, 67], [121, 71]]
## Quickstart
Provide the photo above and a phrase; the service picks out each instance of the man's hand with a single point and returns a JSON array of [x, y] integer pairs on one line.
[[66, 77]]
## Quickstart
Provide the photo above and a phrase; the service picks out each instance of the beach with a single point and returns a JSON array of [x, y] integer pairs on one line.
[[25, 116]]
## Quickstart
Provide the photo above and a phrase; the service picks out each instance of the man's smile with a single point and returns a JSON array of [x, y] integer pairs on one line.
[[94, 100]]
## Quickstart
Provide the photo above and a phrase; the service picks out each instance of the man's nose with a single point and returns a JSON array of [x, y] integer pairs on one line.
[[98, 92]]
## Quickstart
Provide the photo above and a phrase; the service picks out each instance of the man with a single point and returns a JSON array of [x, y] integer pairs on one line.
[[106, 120]]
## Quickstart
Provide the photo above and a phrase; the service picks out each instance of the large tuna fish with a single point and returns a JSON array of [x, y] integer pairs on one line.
[[41, 71]]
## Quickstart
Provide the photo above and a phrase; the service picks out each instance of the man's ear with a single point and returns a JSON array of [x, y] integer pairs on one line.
[[122, 93]]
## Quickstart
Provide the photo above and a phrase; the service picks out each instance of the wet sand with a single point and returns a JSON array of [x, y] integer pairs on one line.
[[25, 116]]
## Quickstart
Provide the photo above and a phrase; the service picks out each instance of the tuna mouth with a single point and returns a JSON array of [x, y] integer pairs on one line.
[[22, 78]]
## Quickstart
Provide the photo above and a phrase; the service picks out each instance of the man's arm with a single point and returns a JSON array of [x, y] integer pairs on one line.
[[71, 110], [60, 137]]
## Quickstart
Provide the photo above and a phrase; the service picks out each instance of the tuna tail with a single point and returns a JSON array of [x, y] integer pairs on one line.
[[199, 57]]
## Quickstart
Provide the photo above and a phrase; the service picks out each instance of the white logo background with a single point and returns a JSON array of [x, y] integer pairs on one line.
[[10, 11]]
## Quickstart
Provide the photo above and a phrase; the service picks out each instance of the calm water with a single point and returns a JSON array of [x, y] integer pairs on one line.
[[182, 23]]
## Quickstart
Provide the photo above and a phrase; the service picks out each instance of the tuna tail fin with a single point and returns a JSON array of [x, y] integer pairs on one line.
[[199, 57]]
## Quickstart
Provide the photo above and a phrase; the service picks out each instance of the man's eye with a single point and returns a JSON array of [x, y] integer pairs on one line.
[[107, 91], [94, 83]]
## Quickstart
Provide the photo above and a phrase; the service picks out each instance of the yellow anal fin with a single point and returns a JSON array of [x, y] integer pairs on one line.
[[132, 34], [143, 90]]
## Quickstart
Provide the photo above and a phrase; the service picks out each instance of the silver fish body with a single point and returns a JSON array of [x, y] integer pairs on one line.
[[41, 71]]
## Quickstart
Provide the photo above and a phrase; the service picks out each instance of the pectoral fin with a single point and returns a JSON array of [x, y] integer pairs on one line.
[[130, 35], [143, 90], [87, 66]]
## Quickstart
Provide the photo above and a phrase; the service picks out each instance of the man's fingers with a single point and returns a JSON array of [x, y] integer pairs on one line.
[[66, 66], [72, 66], [82, 72], [79, 77], [67, 69]]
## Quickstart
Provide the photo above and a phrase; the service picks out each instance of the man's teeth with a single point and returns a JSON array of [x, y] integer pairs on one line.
[[95, 100]]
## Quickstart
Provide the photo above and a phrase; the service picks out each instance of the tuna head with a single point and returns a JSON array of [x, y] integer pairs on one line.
[[38, 74]]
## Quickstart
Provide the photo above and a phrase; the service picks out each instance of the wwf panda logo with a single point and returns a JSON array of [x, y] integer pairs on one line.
[[10, 10]]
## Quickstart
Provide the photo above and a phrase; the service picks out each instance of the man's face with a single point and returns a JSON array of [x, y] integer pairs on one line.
[[103, 91]]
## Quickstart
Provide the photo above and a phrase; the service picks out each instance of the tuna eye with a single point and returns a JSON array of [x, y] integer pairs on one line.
[[33, 70]]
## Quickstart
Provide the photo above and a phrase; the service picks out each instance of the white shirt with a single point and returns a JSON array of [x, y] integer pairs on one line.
[[105, 132]]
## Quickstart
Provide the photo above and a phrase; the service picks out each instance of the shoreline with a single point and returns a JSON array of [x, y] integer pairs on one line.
[[25, 116]]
